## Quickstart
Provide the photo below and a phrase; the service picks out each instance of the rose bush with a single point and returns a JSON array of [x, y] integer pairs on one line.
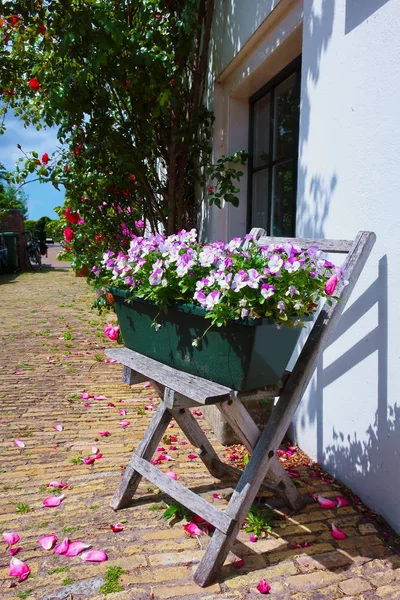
[[230, 281]]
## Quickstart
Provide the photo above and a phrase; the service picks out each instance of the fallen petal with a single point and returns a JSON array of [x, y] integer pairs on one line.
[[292, 448], [94, 556], [87, 405], [11, 537], [357, 500], [117, 527], [167, 457], [100, 397], [325, 502], [148, 407], [122, 412], [86, 396], [342, 501], [173, 447], [184, 443], [192, 529], [254, 538], [124, 423], [264, 587], [15, 550], [192, 456], [104, 433], [63, 547], [98, 456], [76, 548], [89, 460], [94, 450], [47, 541], [337, 534], [171, 425], [18, 569], [171, 474], [147, 384], [293, 473], [58, 484], [58, 427], [239, 563], [173, 438], [305, 545], [19, 444], [53, 501], [198, 519], [161, 449], [218, 496], [111, 404]]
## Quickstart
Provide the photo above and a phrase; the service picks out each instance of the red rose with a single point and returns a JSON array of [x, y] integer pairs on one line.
[[68, 248], [71, 217], [14, 20], [45, 158], [132, 178], [42, 29], [99, 238], [210, 189], [66, 168], [34, 84], [68, 234]]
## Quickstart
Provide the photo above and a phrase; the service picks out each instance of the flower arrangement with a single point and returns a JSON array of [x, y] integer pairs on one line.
[[235, 280]]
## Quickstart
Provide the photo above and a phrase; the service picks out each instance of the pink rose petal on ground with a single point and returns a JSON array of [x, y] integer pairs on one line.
[[293, 473], [124, 423], [58, 427], [117, 527], [47, 541], [104, 433], [100, 397], [63, 547], [292, 448], [89, 460], [342, 501], [148, 407], [192, 529], [98, 456], [337, 534], [87, 405], [171, 425], [192, 456], [19, 444], [11, 537], [294, 546], [305, 545], [264, 587], [312, 474], [76, 548], [147, 384], [86, 396], [18, 569], [184, 443], [15, 550], [167, 457], [53, 501], [161, 449], [325, 502], [171, 474], [357, 500], [173, 438], [122, 412], [94, 556], [218, 496], [239, 563], [173, 447], [198, 519], [19, 373], [111, 404], [94, 450], [254, 538]]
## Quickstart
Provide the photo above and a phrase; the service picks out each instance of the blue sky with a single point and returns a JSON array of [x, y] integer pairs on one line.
[[42, 197]]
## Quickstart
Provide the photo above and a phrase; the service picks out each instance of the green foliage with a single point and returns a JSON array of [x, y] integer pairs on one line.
[[24, 594], [111, 581], [22, 508], [67, 581], [223, 173], [259, 521], [59, 570], [176, 511], [10, 196]]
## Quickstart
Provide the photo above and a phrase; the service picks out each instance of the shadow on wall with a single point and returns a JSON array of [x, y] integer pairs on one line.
[[358, 11]]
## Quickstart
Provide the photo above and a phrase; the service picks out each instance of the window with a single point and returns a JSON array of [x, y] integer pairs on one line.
[[274, 138]]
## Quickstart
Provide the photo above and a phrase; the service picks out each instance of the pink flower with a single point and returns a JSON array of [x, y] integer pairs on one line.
[[337, 534], [53, 501], [111, 332], [254, 538], [192, 529], [47, 541], [11, 537], [331, 284], [18, 569], [264, 587], [68, 235]]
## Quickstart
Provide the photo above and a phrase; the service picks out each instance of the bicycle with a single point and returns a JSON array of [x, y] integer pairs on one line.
[[34, 256]]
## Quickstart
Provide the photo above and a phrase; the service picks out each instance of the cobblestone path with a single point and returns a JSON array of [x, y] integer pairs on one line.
[[51, 353]]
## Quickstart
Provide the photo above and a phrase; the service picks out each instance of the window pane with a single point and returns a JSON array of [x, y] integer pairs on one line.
[[286, 118], [283, 200], [261, 132], [260, 199]]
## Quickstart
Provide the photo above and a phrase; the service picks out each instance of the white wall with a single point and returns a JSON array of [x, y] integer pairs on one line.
[[349, 180]]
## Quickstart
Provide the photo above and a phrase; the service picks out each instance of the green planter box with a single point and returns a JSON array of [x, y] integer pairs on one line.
[[243, 355]]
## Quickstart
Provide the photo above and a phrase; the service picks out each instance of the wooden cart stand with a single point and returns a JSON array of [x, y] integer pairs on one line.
[[181, 391]]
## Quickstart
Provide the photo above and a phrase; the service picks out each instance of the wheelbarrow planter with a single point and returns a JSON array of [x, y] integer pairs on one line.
[[242, 355]]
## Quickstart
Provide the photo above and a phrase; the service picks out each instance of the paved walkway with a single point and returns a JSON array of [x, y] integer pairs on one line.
[[51, 353]]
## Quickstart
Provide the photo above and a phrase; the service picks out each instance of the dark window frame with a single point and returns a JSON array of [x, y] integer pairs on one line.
[[290, 69]]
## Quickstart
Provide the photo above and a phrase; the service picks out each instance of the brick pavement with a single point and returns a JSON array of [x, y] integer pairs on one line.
[[50, 336]]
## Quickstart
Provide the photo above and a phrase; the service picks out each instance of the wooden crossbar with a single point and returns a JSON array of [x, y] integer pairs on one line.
[[181, 390]]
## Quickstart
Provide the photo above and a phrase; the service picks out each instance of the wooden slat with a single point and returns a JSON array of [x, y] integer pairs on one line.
[[339, 246], [146, 449], [192, 501], [201, 390], [283, 413], [130, 377]]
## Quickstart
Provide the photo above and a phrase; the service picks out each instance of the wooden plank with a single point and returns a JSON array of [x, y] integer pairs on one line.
[[131, 377], [283, 413], [248, 432], [339, 246], [184, 496], [201, 390], [146, 449]]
